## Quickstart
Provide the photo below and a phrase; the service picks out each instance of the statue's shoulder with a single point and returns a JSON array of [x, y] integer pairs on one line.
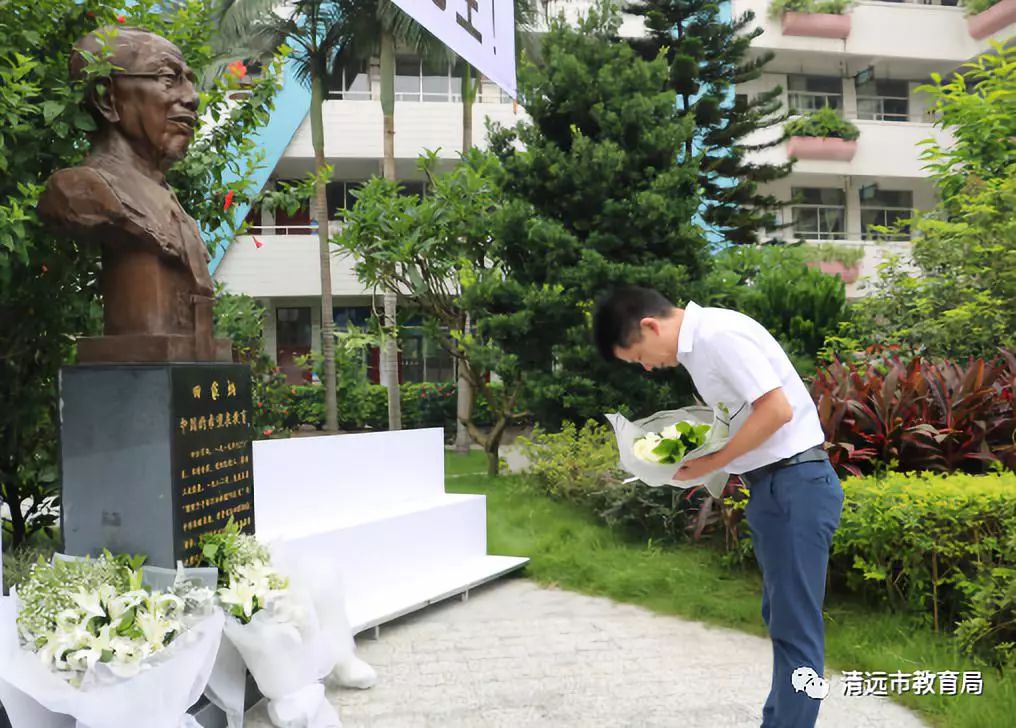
[[79, 196]]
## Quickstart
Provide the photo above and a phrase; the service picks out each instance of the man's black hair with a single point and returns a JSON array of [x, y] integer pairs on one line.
[[616, 322]]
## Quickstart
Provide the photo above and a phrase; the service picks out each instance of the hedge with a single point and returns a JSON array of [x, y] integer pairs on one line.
[[943, 545]]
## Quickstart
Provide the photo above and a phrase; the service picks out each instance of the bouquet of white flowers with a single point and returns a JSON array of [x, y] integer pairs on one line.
[[672, 443], [653, 448], [85, 638], [277, 630]]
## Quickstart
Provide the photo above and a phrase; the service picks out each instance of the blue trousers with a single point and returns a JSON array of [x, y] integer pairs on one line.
[[793, 512]]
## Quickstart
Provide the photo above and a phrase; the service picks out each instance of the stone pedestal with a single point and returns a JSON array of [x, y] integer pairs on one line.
[[154, 455]]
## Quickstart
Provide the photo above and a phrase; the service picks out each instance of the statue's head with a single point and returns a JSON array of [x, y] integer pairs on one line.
[[149, 98]]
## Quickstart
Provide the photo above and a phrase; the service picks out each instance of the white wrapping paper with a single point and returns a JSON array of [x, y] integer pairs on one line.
[[289, 661], [157, 697], [285, 660], [658, 474]]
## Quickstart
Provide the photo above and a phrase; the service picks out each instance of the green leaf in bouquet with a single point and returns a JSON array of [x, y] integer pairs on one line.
[[666, 450], [127, 622], [679, 452]]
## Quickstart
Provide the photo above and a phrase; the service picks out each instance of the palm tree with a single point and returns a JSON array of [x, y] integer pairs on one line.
[[315, 32], [526, 12], [375, 28]]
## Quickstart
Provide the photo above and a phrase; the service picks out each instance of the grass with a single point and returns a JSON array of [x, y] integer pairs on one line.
[[571, 549]]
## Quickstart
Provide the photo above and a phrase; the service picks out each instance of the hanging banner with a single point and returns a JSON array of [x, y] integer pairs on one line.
[[480, 31]]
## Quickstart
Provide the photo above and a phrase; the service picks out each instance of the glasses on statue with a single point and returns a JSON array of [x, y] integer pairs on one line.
[[169, 78]]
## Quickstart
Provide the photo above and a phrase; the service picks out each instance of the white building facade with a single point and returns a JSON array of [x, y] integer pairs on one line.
[[870, 75]]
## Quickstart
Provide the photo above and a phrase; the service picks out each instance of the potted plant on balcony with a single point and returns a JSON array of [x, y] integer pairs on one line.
[[822, 135], [835, 259], [813, 18], [986, 17]]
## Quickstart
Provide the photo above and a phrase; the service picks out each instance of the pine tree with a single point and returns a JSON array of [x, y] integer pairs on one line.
[[708, 57], [595, 196]]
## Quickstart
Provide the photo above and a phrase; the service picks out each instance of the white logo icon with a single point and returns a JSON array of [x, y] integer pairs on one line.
[[806, 680]]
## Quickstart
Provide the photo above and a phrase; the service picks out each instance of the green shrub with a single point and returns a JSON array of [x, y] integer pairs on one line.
[[801, 307], [241, 319], [574, 464], [943, 546], [364, 405], [832, 7], [825, 123]]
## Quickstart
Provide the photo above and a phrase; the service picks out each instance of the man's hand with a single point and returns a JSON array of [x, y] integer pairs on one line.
[[699, 467], [769, 413]]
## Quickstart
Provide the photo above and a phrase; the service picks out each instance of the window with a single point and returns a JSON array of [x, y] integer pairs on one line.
[[350, 84], [437, 81], [293, 224], [411, 188], [292, 340], [424, 360], [811, 93], [884, 100], [341, 197], [819, 213], [351, 316], [407, 78], [490, 93], [887, 208]]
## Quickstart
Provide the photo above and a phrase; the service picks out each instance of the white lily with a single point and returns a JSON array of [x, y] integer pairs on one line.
[[643, 449], [90, 603], [155, 628], [240, 593], [53, 653]]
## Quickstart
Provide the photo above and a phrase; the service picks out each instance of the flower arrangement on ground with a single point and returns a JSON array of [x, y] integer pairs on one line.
[[87, 638], [276, 629]]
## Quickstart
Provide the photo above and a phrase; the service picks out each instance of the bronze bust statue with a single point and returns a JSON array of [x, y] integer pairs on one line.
[[156, 288]]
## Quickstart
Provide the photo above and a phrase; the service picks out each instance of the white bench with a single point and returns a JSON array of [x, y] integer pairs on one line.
[[376, 503]]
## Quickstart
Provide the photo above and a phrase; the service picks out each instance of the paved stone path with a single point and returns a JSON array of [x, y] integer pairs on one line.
[[517, 655]]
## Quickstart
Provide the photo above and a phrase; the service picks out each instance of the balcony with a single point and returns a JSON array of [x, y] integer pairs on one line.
[[353, 129], [816, 25], [859, 278], [934, 33], [884, 149], [275, 264]]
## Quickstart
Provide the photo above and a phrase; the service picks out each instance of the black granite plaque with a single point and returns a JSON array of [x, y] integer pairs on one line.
[[212, 469], [152, 456]]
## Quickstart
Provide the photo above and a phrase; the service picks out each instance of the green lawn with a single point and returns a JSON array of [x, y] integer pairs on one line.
[[571, 549]]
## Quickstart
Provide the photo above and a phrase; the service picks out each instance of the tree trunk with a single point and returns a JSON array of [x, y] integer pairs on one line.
[[468, 98], [324, 251], [19, 529], [389, 349], [492, 448], [464, 391], [463, 404]]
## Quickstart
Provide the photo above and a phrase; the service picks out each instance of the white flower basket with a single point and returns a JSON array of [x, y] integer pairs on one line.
[[659, 474], [157, 697]]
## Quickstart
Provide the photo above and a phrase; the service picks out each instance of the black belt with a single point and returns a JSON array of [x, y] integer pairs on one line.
[[811, 455]]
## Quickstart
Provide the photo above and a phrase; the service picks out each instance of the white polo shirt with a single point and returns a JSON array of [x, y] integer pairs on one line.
[[733, 360]]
